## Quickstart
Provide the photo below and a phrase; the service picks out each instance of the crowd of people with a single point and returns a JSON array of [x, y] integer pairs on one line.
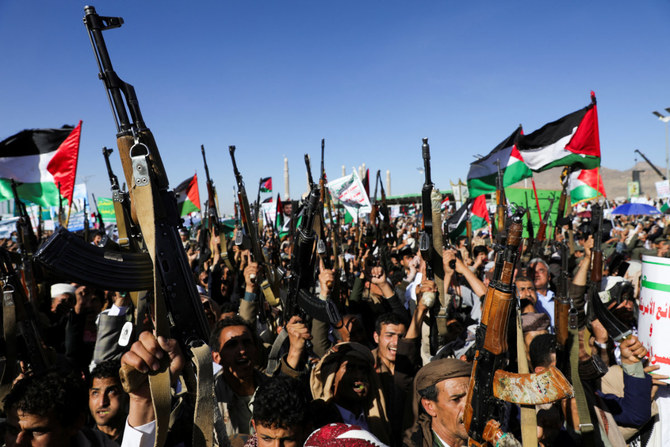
[[393, 371]]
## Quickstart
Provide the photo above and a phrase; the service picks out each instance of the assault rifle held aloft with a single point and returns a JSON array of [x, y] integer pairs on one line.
[[27, 245], [23, 341], [298, 299], [541, 237], [615, 328], [178, 311], [490, 384], [426, 244], [268, 275]]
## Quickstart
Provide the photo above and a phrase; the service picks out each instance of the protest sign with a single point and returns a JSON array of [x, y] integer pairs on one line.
[[654, 316]]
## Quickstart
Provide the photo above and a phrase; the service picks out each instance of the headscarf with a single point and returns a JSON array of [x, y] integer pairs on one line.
[[342, 435]]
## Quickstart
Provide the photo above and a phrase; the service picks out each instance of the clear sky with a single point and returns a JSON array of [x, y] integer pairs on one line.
[[372, 77]]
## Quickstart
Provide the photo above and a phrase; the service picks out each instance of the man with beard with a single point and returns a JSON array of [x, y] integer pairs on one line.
[[107, 400], [346, 389], [440, 390]]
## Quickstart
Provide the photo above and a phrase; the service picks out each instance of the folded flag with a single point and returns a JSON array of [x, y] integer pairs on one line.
[[266, 184], [484, 172], [39, 159], [188, 196], [569, 141], [585, 184]]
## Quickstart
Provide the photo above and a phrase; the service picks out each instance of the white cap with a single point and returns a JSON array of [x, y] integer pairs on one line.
[[61, 288]]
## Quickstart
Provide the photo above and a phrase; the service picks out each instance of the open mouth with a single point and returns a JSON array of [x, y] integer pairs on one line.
[[360, 387], [243, 362]]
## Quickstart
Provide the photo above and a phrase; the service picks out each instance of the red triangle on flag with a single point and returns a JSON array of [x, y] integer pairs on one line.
[[193, 192], [479, 208], [63, 165]]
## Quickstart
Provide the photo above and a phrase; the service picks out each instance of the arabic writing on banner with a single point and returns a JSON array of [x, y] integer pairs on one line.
[[349, 191], [654, 311]]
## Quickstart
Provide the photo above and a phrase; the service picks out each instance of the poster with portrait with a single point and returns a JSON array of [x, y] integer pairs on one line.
[[654, 311]]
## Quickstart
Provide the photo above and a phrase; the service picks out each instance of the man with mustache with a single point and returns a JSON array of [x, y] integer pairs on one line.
[[440, 390]]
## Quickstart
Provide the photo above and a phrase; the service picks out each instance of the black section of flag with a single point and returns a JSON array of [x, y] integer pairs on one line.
[[552, 132], [34, 141]]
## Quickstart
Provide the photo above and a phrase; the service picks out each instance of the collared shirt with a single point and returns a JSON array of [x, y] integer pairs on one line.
[[545, 303], [350, 418], [437, 441]]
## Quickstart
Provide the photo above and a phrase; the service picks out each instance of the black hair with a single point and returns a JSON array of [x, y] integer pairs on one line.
[[389, 318], [540, 350], [429, 393], [229, 306], [281, 402], [64, 396], [106, 369], [235, 320], [479, 249]]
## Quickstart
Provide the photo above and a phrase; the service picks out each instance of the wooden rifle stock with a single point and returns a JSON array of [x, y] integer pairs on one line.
[[482, 410]]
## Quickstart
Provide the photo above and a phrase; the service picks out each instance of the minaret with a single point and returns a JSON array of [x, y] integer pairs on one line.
[[388, 182], [287, 193], [344, 170]]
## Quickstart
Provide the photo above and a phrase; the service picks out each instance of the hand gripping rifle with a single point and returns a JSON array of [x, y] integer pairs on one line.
[[23, 341], [27, 245], [615, 328], [298, 299], [489, 383], [322, 246], [213, 213], [177, 310], [269, 275], [426, 246]]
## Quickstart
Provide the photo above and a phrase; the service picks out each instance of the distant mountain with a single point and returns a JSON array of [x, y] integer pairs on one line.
[[616, 182]]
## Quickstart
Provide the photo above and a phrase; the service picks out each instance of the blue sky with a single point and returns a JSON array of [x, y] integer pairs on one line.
[[371, 77]]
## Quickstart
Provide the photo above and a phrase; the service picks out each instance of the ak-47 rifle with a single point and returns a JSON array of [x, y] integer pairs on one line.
[[40, 225], [87, 225], [489, 383], [130, 235], [426, 246], [178, 311], [23, 341], [501, 207], [213, 213], [61, 217], [562, 302], [27, 245], [269, 276], [322, 245], [615, 328], [565, 176], [541, 237], [98, 215], [298, 298]]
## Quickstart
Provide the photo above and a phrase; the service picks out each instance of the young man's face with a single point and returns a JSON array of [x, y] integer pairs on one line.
[[388, 340], [25, 429], [237, 351], [278, 437], [106, 400]]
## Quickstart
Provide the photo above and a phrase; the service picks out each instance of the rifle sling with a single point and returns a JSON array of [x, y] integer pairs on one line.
[[143, 197], [585, 423]]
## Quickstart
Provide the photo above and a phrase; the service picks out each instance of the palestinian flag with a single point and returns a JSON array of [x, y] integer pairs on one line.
[[483, 174], [479, 214], [266, 184], [39, 159], [445, 204], [569, 141], [585, 184], [455, 224], [188, 196]]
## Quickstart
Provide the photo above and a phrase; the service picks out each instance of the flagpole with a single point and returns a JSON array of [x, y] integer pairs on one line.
[[537, 201]]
